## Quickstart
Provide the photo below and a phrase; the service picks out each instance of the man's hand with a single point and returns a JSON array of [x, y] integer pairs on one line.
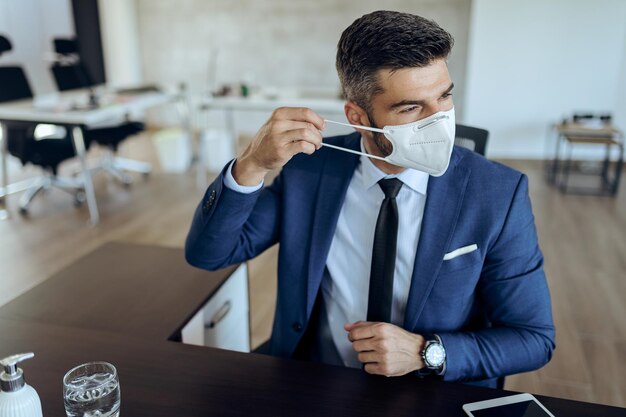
[[386, 349], [289, 131]]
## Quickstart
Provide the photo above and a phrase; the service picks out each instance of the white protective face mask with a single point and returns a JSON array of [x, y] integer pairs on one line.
[[425, 145]]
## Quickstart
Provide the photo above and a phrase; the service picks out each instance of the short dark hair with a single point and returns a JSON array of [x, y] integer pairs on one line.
[[386, 40]]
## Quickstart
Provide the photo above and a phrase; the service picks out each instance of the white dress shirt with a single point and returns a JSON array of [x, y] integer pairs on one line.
[[349, 261], [350, 258]]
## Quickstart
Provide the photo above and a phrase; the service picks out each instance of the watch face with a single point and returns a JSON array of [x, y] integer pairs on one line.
[[435, 355]]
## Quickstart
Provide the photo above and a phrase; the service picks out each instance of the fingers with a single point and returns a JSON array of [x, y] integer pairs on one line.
[[382, 369], [369, 357], [311, 136], [279, 126], [377, 369], [350, 326], [372, 344], [366, 330], [288, 132], [302, 114], [363, 345], [384, 348], [301, 146], [372, 368]]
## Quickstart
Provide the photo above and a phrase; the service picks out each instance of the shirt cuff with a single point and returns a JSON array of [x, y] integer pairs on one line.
[[229, 182]]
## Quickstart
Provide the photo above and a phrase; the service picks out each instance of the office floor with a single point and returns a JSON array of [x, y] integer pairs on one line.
[[583, 240]]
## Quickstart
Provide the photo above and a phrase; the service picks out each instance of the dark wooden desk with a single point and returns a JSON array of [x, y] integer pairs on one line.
[[165, 378], [138, 290]]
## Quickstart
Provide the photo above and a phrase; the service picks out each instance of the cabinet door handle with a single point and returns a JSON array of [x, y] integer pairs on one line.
[[220, 314]]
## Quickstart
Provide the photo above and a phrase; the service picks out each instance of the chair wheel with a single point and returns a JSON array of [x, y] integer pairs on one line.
[[79, 199]]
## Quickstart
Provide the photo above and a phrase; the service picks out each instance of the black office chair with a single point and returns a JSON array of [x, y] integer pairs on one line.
[[70, 74], [23, 142], [472, 138]]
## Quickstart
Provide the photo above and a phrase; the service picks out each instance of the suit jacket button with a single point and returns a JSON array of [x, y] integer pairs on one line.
[[297, 327]]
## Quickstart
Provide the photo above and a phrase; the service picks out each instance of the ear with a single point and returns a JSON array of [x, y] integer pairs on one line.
[[355, 114]]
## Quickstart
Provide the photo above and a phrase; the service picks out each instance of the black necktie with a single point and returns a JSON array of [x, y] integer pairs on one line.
[[384, 254]]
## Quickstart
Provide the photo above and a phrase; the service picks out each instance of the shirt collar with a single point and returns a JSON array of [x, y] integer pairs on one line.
[[414, 179]]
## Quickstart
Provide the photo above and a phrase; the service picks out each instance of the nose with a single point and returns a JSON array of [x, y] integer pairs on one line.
[[435, 107]]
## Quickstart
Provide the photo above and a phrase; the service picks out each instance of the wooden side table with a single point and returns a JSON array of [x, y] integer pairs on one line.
[[571, 134]]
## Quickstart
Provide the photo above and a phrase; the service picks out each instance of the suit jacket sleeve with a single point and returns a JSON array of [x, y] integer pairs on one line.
[[230, 227], [514, 294]]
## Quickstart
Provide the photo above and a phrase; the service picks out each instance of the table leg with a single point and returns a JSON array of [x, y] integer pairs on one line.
[[201, 174], [230, 125], [81, 152], [567, 168], [4, 175], [232, 129], [618, 169], [183, 104], [605, 167], [553, 179]]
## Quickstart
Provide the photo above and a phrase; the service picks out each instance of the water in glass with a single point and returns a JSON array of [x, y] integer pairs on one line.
[[92, 394]]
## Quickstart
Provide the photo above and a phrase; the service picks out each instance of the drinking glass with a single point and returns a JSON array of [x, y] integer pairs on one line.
[[92, 390]]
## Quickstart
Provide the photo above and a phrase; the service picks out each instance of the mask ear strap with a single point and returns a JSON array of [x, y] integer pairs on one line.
[[353, 151], [371, 129]]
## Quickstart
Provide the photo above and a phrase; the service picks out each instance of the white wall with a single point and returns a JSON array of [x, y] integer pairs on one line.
[[284, 43], [31, 25], [532, 62], [120, 42], [620, 96]]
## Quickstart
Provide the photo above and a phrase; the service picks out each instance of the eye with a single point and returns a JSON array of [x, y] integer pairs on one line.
[[409, 109], [446, 96]]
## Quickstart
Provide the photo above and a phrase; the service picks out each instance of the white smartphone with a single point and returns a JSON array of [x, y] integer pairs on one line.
[[520, 405]]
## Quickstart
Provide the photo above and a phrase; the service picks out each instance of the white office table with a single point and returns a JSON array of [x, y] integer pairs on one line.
[[232, 104], [113, 107], [322, 105]]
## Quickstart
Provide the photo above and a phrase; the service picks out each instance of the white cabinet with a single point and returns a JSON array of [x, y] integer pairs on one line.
[[223, 322]]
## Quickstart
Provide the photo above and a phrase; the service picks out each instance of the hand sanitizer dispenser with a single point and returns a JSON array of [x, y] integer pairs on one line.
[[17, 399]]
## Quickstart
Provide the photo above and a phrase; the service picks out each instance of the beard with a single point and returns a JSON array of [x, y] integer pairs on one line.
[[384, 146]]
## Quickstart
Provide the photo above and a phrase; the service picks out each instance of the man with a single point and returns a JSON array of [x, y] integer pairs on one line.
[[381, 265]]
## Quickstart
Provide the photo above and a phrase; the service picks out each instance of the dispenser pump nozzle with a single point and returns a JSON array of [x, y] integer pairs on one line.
[[12, 377]]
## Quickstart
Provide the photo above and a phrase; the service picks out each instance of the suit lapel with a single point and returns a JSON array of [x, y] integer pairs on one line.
[[334, 181], [443, 205]]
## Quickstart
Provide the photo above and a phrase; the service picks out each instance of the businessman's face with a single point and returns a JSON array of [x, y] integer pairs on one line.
[[407, 95]]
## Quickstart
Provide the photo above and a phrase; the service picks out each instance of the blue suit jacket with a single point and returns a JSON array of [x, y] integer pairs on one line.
[[491, 307]]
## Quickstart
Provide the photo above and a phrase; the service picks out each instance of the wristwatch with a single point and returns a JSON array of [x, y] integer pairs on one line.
[[433, 354]]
